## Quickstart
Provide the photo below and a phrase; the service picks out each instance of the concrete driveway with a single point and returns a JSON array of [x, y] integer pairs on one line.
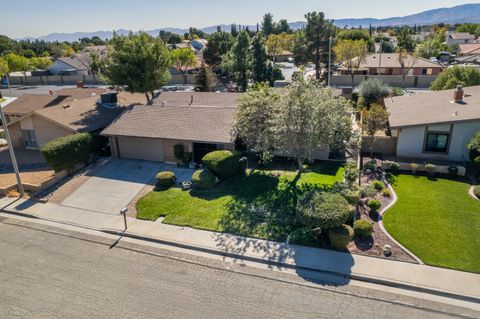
[[113, 187]]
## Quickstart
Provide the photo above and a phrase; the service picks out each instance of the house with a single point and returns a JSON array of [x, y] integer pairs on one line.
[[389, 64], [469, 60], [469, 49], [454, 38], [284, 56], [76, 64], [436, 125], [201, 122], [68, 116]]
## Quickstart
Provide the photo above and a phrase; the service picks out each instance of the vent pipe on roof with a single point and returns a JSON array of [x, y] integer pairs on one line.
[[458, 94]]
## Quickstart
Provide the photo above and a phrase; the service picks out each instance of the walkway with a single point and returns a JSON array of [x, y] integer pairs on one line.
[[350, 266]]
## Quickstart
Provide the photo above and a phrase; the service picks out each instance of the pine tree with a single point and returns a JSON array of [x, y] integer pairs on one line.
[[205, 80], [260, 59]]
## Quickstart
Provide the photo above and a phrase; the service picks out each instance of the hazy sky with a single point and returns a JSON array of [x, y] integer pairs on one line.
[[20, 18]]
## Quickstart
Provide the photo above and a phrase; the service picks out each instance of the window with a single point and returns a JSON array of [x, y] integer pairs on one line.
[[29, 138], [437, 142], [424, 71]]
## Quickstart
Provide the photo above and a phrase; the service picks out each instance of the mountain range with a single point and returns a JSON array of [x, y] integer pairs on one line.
[[467, 13]]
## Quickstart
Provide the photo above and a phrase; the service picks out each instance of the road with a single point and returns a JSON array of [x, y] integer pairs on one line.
[[49, 275], [16, 91]]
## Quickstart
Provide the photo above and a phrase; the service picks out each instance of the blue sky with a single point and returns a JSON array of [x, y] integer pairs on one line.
[[20, 18]]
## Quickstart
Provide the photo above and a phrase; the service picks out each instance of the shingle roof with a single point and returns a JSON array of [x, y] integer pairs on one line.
[[206, 124], [391, 60], [32, 102], [79, 61], [83, 115], [461, 35], [469, 48], [433, 108], [197, 99]]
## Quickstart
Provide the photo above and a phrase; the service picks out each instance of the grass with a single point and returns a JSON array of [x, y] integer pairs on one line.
[[228, 207], [438, 221]]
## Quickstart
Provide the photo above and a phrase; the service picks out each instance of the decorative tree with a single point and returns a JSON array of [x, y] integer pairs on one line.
[[183, 59], [351, 53], [205, 79], [139, 62], [374, 119]]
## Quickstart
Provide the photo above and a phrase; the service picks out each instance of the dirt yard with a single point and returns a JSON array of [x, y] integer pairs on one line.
[[34, 177]]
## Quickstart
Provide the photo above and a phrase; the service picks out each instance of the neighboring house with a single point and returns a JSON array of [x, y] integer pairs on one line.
[[76, 64], [284, 56], [70, 116], [454, 38], [389, 64], [469, 49], [469, 60], [199, 44], [436, 125]]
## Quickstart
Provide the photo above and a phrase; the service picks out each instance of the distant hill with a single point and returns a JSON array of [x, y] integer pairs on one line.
[[459, 14]]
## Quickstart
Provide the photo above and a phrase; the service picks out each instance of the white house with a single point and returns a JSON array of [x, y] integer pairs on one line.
[[454, 38], [76, 64], [436, 125]]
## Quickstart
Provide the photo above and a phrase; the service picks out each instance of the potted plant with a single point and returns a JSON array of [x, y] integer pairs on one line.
[[414, 167], [430, 168]]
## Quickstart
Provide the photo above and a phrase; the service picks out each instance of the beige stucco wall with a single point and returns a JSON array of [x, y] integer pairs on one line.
[[411, 141], [148, 149], [45, 131], [168, 149], [16, 135]]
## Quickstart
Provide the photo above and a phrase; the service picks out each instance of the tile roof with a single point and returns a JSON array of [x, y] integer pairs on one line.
[[433, 108], [205, 124]]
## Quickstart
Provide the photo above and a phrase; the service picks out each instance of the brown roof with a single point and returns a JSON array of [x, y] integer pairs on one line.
[[469, 48], [461, 35], [205, 124], [433, 108], [33, 102], [197, 99], [391, 60], [84, 115], [80, 61]]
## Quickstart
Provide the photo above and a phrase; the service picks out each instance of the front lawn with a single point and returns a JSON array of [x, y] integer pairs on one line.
[[437, 220], [229, 206]]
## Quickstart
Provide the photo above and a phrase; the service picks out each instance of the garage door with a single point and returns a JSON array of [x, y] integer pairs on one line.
[[148, 149]]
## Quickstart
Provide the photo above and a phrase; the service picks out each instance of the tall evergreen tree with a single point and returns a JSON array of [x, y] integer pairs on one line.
[[268, 26], [259, 59], [218, 45], [238, 61], [205, 79]]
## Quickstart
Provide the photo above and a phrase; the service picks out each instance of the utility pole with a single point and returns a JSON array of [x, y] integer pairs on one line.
[[12, 153], [329, 60]]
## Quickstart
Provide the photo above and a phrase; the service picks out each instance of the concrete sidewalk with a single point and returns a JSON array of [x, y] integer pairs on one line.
[[439, 281]]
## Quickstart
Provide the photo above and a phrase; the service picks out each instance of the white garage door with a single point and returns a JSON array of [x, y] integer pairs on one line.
[[148, 149]]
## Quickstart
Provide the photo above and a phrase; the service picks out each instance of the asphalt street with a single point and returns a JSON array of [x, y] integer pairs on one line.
[[44, 274]]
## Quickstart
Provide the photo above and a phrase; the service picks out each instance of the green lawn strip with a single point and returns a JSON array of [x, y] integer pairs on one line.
[[438, 221], [226, 205]]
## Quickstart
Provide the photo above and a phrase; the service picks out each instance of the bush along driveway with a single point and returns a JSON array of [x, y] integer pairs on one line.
[[260, 203], [437, 220]]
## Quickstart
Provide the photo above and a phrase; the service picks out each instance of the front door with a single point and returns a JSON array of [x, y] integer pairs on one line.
[[201, 149]]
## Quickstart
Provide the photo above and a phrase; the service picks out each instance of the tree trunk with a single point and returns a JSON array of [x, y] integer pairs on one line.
[[148, 97], [353, 81], [317, 65], [300, 163], [184, 75]]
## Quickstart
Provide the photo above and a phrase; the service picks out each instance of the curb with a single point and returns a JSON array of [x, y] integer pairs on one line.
[[382, 227], [273, 262]]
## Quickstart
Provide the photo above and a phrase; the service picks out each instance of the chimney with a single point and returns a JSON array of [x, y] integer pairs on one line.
[[458, 94]]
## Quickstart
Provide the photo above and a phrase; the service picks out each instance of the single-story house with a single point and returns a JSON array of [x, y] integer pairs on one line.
[[201, 122], [454, 38], [69, 116], [436, 125], [389, 64], [469, 49], [469, 60], [76, 64], [284, 56]]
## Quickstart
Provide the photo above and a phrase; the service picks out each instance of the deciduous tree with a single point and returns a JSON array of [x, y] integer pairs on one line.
[[374, 119], [451, 77], [219, 44], [182, 59], [351, 54]]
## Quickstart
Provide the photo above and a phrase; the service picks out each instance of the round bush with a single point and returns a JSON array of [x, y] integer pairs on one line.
[[476, 161], [378, 185], [386, 193], [323, 210], [243, 165], [340, 236], [368, 191], [165, 179], [362, 228], [223, 164], [303, 236], [203, 179], [395, 168], [374, 205]]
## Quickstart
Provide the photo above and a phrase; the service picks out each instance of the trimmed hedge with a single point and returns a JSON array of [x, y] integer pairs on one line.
[[303, 236], [340, 236], [165, 180], [67, 151], [203, 179], [223, 164], [362, 228]]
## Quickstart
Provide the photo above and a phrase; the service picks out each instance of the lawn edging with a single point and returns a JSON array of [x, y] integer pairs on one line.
[[382, 227]]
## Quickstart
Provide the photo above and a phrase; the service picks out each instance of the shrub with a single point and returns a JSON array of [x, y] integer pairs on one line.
[[243, 165], [476, 191], [430, 168], [223, 164], [476, 161], [203, 179], [179, 152], [378, 185], [67, 151], [368, 191], [350, 173], [474, 146], [362, 228], [414, 167], [350, 192], [369, 167], [165, 180], [340, 236], [303, 236], [386, 193], [394, 168], [453, 171], [323, 210], [373, 90], [374, 205]]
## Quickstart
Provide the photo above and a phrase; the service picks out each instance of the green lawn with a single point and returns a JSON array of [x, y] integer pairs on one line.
[[438, 221], [228, 207]]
